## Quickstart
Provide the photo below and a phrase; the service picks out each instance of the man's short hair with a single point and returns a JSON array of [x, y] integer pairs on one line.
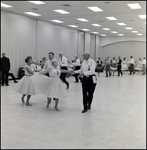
[[51, 53]]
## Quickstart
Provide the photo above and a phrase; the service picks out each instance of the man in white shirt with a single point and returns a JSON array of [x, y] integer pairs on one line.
[[47, 65], [89, 80], [77, 66], [144, 66], [63, 66], [131, 67]]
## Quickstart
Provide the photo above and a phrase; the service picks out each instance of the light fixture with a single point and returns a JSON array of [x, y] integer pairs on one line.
[[128, 28], [103, 35], [121, 34], [139, 34], [134, 6], [85, 29], [57, 21], [111, 18], [121, 24], [82, 19], [95, 32], [114, 32], [142, 16], [5, 5], [95, 8], [61, 11], [73, 26], [96, 25], [134, 31], [32, 14], [37, 2], [106, 29]]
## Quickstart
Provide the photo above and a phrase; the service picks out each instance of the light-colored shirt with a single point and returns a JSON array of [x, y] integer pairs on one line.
[[26, 72], [144, 61], [77, 63], [36, 67], [47, 65], [63, 61], [87, 68], [131, 61]]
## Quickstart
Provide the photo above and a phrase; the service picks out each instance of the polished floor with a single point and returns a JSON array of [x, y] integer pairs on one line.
[[117, 119]]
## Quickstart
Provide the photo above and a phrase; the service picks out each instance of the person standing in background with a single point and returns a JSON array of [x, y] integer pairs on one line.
[[131, 65], [108, 67], [77, 66], [119, 66], [63, 66], [43, 62], [124, 65], [5, 68], [144, 66], [99, 67]]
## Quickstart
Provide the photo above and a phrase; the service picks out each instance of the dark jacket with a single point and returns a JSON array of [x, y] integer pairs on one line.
[[5, 64]]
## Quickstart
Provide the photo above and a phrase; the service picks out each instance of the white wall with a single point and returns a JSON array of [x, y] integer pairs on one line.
[[124, 49], [22, 36], [109, 40], [55, 38], [123, 46], [18, 38]]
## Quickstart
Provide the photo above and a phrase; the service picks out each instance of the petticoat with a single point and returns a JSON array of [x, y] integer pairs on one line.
[[26, 86], [48, 86]]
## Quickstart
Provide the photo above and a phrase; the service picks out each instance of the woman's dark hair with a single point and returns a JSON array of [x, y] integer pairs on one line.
[[27, 59], [51, 53], [124, 58]]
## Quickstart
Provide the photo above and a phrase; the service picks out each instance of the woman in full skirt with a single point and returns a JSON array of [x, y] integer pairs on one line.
[[26, 86]]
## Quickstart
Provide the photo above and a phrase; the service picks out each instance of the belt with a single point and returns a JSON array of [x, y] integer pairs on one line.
[[89, 76], [28, 75]]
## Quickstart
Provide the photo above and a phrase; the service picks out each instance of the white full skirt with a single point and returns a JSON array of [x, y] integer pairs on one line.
[[49, 87], [124, 67], [26, 86]]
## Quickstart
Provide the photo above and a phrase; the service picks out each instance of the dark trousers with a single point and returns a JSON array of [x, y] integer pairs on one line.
[[5, 77], [76, 75], [11, 75], [131, 69], [88, 88], [63, 76], [119, 70], [108, 70]]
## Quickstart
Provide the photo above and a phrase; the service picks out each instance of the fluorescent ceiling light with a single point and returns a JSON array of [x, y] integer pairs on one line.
[[134, 31], [106, 29], [32, 14], [121, 24], [82, 19], [114, 32], [134, 6], [96, 25], [103, 35], [73, 26], [36, 2], [95, 32], [57, 21], [128, 28], [95, 9], [139, 34], [5, 5], [85, 29], [111, 18], [120, 34], [142, 16], [62, 11]]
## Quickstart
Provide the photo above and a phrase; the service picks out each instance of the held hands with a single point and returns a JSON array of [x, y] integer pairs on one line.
[[80, 75]]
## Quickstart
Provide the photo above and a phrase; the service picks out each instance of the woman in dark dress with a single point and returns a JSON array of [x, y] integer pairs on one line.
[[99, 67]]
